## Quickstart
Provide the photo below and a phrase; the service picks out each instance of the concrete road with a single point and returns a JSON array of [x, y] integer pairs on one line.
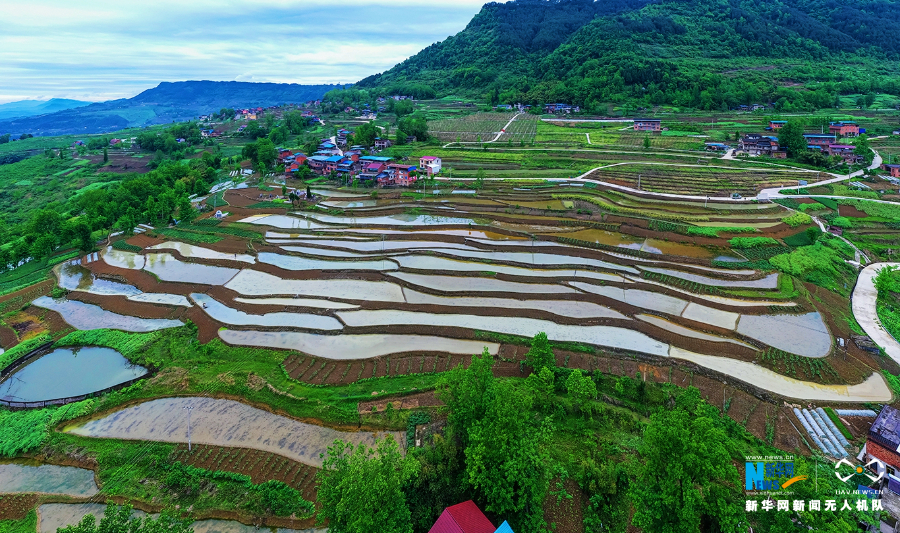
[[863, 303]]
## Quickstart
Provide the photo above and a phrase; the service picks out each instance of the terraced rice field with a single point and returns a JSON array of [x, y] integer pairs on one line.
[[369, 286]]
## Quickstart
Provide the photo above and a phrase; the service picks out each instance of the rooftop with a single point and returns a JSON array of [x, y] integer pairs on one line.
[[463, 517], [887, 425]]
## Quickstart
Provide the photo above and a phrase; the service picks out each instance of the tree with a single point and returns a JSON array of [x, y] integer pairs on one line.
[[186, 211], [365, 134], [265, 153], [863, 149], [118, 519], [581, 388], [42, 246], [403, 108], [506, 458], [646, 142], [361, 489], [478, 184], [540, 355], [465, 393], [687, 477], [791, 136], [105, 154], [400, 138], [441, 480]]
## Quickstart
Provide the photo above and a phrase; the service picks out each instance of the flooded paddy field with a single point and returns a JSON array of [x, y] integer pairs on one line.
[[221, 423], [86, 317], [279, 344], [33, 477], [350, 347]]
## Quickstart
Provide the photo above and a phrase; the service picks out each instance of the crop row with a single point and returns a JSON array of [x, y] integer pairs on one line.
[[790, 364], [691, 286]]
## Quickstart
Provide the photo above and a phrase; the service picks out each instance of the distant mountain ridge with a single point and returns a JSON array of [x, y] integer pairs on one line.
[[30, 108], [165, 103], [700, 53]]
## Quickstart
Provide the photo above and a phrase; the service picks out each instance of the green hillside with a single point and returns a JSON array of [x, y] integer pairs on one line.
[[710, 54]]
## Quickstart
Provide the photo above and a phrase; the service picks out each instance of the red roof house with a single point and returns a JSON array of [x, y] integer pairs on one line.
[[463, 517]]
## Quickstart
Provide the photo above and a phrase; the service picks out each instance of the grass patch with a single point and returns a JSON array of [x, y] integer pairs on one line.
[[837, 422], [125, 247], [25, 525], [187, 235], [751, 242], [798, 239], [21, 349]]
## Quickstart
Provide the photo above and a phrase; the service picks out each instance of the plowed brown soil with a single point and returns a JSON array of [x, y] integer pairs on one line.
[[16, 506]]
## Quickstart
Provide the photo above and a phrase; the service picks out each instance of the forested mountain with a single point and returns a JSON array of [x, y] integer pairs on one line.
[[165, 103], [701, 53]]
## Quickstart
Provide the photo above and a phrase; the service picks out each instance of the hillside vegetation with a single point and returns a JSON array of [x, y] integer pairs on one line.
[[709, 54]]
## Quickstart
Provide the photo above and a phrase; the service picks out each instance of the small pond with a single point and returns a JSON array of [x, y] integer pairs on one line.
[[67, 372]]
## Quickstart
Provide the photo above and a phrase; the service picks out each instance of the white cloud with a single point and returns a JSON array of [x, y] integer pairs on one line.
[[111, 49]]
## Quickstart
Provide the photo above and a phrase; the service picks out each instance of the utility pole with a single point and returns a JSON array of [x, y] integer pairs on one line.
[[189, 409]]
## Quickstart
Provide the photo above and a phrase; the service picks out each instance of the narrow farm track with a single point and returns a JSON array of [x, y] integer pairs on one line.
[[863, 302]]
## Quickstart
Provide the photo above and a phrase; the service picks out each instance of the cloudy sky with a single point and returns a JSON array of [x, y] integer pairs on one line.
[[104, 49]]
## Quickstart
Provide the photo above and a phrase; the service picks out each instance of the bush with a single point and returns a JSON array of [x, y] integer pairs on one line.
[[751, 242], [125, 247], [797, 219]]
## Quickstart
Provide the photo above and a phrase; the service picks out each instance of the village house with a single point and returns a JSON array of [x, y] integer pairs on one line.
[[404, 175], [430, 164], [775, 125], [561, 108], [717, 147], [317, 163], [381, 144], [818, 141], [844, 151], [332, 163], [465, 517], [844, 129], [894, 170], [754, 144], [647, 124], [882, 443]]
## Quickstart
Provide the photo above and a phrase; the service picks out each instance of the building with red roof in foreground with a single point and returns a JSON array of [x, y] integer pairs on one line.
[[463, 517]]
